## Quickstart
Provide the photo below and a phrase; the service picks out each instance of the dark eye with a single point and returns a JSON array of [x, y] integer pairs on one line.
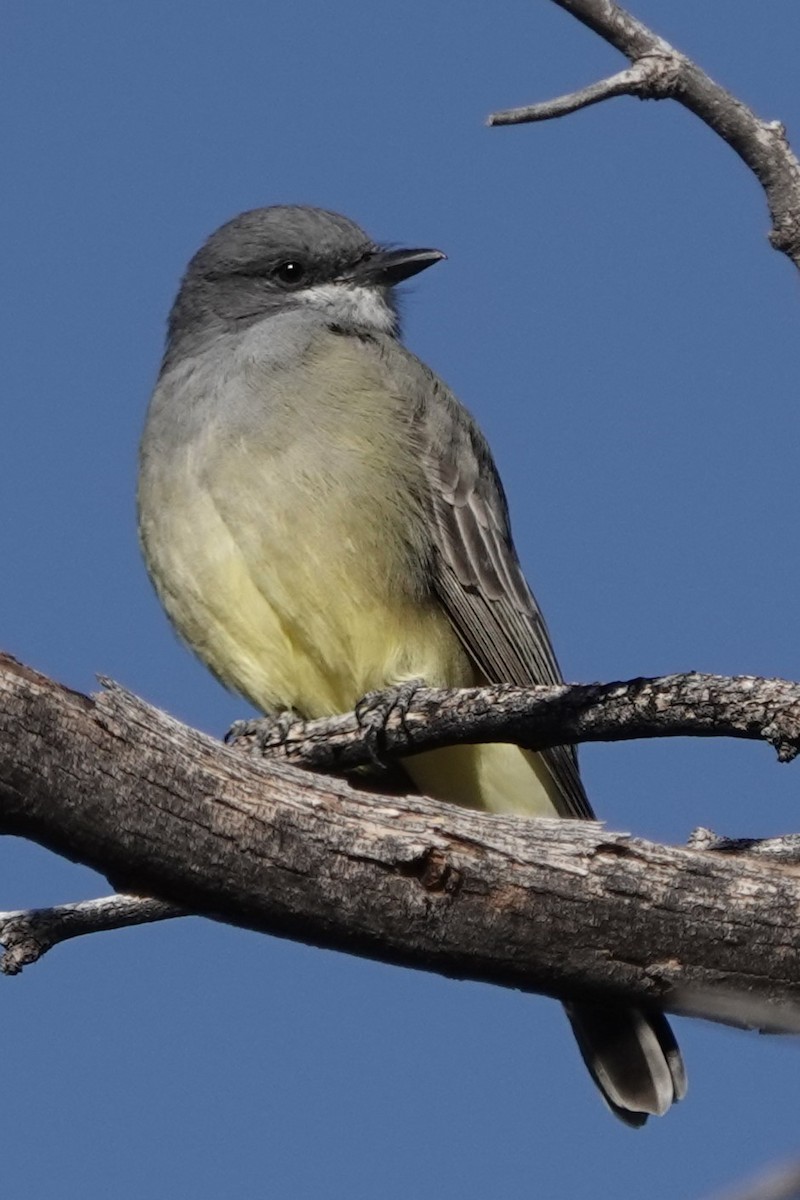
[[290, 272]]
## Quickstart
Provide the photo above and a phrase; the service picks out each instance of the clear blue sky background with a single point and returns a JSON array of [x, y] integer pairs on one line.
[[612, 313]]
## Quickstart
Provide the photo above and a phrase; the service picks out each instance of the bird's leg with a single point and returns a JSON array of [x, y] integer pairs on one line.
[[377, 709]]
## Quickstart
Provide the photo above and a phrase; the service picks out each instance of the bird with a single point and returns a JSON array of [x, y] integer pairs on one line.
[[322, 519]]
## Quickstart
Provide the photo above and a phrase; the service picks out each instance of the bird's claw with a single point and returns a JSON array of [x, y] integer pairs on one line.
[[262, 734], [374, 712]]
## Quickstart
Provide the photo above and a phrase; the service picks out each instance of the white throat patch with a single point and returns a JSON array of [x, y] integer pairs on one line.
[[348, 304]]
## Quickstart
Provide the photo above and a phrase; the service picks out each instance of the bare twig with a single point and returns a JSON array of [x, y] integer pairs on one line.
[[29, 933], [659, 71], [691, 705], [654, 74]]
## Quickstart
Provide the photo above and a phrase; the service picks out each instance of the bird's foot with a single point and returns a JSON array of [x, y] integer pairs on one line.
[[374, 712], [260, 735]]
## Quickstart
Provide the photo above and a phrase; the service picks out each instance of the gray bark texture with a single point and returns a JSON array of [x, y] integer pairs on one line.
[[559, 907]]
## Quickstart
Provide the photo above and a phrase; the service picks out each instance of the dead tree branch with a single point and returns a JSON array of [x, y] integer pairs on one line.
[[658, 71], [690, 705], [27, 934], [165, 811]]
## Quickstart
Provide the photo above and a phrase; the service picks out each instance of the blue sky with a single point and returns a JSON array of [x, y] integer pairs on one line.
[[611, 312]]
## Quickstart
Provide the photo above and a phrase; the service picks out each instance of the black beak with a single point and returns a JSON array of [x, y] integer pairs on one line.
[[388, 267]]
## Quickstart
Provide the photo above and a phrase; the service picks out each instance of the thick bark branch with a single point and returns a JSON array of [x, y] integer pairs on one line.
[[659, 72], [27, 934], [559, 907]]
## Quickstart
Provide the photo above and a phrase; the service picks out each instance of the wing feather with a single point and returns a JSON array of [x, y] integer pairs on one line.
[[477, 574]]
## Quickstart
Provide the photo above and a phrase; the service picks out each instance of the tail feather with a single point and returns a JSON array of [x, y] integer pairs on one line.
[[632, 1056]]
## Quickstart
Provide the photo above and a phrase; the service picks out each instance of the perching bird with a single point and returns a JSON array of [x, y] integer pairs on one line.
[[322, 518]]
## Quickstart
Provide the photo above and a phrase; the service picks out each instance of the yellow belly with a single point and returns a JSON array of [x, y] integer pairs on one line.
[[307, 607], [302, 623]]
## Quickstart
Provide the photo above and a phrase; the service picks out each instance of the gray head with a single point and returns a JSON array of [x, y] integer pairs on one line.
[[284, 258]]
